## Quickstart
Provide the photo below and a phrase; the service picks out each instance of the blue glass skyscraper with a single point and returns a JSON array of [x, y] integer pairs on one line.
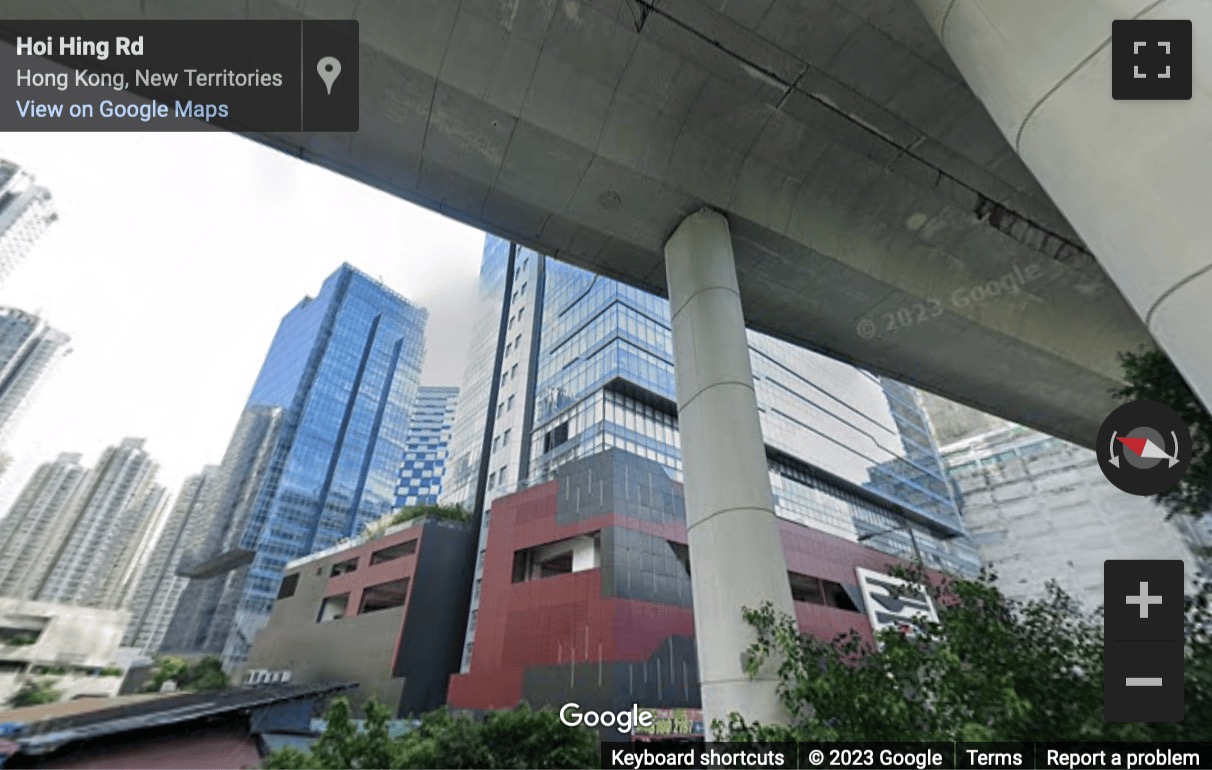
[[343, 369], [465, 455], [426, 446]]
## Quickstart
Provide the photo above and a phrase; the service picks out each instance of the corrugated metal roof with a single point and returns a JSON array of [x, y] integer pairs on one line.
[[45, 734], [28, 714]]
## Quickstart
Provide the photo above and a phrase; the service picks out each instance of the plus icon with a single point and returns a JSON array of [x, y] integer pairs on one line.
[[1143, 638], [1144, 600]]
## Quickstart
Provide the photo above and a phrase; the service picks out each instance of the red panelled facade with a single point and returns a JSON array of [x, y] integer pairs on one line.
[[542, 622], [367, 574]]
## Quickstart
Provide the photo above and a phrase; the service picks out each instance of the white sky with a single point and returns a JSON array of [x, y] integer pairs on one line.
[[174, 259]]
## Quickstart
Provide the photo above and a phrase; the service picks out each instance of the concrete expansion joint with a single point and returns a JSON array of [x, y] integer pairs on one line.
[[1165, 295], [942, 27], [730, 509], [1022, 126], [697, 292], [683, 404]]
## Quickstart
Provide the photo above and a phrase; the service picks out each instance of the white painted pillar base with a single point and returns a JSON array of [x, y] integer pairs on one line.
[[1130, 176], [736, 551]]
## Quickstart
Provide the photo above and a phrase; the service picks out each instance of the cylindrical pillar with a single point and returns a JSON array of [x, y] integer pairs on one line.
[[736, 551], [1130, 176]]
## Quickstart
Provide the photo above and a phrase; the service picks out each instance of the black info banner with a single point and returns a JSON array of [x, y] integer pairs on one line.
[[908, 756], [296, 75]]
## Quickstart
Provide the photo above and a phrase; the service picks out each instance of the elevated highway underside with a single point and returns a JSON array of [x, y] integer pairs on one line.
[[878, 214]]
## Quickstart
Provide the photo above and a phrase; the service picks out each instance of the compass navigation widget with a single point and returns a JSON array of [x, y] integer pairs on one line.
[[1144, 448]]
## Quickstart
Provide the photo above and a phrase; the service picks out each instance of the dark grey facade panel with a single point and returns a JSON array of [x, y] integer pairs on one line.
[[646, 568], [615, 481], [668, 679], [431, 643]]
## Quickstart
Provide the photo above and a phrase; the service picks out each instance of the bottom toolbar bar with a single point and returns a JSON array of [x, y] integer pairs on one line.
[[908, 755]]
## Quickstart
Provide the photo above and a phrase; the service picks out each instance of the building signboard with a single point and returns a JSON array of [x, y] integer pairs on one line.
[[265, 676], [894, 603], [670, 723]]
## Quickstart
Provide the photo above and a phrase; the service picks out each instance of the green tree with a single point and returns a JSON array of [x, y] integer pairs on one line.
[[339, 746], [205, 674], [522, 738], [1151, 375], [990, 670], [444, 740], [35, 692], [526, 738], [167, 668], [288, 758]]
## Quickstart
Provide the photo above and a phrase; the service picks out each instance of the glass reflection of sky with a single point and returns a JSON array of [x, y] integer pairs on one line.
[[344, 368], [850, 424]]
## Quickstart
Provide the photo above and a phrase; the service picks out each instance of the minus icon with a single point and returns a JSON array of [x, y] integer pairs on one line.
[[1144, 681]]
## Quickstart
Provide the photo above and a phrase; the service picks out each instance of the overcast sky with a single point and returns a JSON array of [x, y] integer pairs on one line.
[[174, 259]]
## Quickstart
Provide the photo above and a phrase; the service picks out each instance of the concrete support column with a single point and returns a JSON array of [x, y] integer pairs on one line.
[[736, 551], [1130, 176]]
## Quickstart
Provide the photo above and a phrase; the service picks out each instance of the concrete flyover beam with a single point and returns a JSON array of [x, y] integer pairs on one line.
[[1131, 176], [877, 213], [735, 546]]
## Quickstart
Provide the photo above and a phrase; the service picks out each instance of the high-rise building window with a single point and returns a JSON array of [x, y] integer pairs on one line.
[[366, 342]]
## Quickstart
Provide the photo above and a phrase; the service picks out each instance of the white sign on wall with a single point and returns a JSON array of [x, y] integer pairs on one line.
[[894, 603], [265, 676]]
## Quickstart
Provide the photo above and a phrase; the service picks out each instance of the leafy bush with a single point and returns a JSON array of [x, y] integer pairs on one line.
[[1151, 375], [20, 640], [990, 670], [35, 692], [447, 512], [206, 674], [518, 738]]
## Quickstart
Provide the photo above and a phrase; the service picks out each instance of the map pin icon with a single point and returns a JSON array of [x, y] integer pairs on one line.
[[329, 68]]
